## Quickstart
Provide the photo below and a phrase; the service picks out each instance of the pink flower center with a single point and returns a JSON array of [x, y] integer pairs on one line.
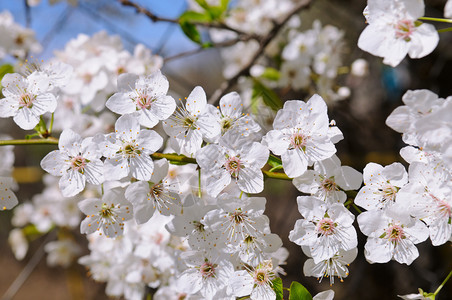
[[395, 233], [26, 100], [298, 141], [329, 185], [261, 277], [443, 207], [87, 77], [143, 101], [326, 226], [207, 269], [78, 163], [388, 193], [404, 29], [233, 166]]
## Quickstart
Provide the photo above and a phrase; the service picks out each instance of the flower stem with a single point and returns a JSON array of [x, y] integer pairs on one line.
[[46, 141], [436, 19], [169, 156], [442, 284], [51, 124], [445, 30]]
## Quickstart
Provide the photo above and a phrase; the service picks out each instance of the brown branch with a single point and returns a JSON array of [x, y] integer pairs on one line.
[[263, 44], [227, 43], [154, 18]]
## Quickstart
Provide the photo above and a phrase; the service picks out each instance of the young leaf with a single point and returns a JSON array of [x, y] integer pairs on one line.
[[5, 69], [191, 32], [298, 292], [274, 161], [186, 23], [278, 288], [269, 97], [271, 74]]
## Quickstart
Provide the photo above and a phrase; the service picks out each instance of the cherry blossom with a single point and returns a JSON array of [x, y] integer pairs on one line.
[[394, 31]]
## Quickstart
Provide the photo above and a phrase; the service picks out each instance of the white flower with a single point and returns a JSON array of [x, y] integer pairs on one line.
[[381, 185], [428, 196], [190, 224], [329, 180], [392, 234], [301, 135], [144, 95], [77, 161], [155, 194], [207, 273], [393, 31], [237, 217], [234, 158], [26, 99], [7, 198], [128, 150], [325, 295], [107, 214], [255, 282], [254, 249], [230, 116], [331, 267], [62, 252], [448, 9], [191, 123], [325, 228], [18, 243]]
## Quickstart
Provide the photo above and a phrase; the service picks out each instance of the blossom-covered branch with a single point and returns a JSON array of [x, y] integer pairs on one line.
[[263, 44]]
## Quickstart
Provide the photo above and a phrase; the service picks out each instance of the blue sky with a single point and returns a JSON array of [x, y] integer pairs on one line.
[[57, 24]]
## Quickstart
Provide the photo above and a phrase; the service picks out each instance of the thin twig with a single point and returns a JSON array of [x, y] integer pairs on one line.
[[46, 141], [155, 18], [169, 156], [27, 14], [124, 33], [227, 43], [263, 44], [23, 276]]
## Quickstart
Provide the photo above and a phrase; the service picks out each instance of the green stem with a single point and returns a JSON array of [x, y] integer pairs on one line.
[[51, 124], [47, 141], [445, 30], [174, 157], [356, 208], [199, 183], [442, 284], [168, 156], [276, 175], [436, 19]]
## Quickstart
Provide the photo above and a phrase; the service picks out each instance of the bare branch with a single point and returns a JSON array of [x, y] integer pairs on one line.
[[215, 45], [154, 18], [263, 44]]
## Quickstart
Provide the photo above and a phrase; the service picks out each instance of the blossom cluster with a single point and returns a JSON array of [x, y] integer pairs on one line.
[[190, 225], [16, 40], [405, 208]]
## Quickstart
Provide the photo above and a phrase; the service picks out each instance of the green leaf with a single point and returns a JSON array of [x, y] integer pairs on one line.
[[298, 292], [194, 16], [269, 97], [5, 69], [215, 12], [186, 23], [224, 4], [177, 163], [271, 74], [191, 32], [203, 3], [274, 161], [278, 288]]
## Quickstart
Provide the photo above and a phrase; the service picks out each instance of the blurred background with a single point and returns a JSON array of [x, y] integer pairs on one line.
[[361, 117]]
